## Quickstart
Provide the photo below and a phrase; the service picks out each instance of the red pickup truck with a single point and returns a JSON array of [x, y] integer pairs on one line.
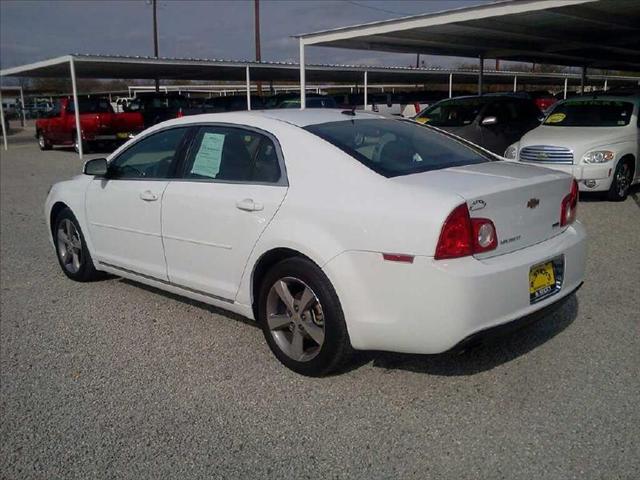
[[98, 122]]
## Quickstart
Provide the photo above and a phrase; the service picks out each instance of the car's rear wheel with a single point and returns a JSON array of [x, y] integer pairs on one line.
[[76, 144], [622, 179], [71, 248], [43, 143], [302, 319]]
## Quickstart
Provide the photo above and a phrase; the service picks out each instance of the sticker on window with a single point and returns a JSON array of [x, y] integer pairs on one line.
[[556, 118], [207, 161]]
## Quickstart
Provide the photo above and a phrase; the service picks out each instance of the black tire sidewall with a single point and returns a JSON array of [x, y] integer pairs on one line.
[[336, 348], [87, 271], [613, 190]]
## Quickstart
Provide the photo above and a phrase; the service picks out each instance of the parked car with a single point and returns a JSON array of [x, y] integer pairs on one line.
[[542, 98], [293, 101], [333, 230], [593, 138], [98, 122], [156, 107], [491, 121], [230, 103]]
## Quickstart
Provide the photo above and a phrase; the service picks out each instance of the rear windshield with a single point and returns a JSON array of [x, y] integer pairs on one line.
[[91, 105], [397, 147], [590, 113], [452, 113]]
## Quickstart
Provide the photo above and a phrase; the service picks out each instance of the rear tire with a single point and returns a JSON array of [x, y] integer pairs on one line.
[[43, 143], [71, 249], [307, 333], [622, 178], [76, 144]]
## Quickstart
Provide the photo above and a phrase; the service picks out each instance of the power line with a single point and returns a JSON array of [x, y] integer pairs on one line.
[[376, 8]]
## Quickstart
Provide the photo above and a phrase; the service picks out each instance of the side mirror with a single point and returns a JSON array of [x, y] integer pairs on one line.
[[97, 167], [486, 121]]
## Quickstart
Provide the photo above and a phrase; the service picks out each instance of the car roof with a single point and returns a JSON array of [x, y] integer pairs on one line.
[[621, 98]]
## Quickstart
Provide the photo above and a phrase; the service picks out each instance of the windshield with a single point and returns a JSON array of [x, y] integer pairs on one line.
[[397, 147], [452, 113], [590, 113]]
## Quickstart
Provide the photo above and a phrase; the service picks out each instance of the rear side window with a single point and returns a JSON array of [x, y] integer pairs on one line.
[[396, 147], [452, 113], [232, 154]]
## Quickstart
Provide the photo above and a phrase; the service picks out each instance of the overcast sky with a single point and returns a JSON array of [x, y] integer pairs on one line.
[[36, 30]]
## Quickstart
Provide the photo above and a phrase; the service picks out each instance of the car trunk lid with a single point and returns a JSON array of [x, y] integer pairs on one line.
[[522, 201]]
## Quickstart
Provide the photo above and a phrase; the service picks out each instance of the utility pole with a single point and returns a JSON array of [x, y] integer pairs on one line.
[[154, 6], [256, 23]]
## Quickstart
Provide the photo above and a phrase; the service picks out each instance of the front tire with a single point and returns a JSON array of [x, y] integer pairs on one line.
[[301, 318], [71, 249], [621, 182], [43, 143]]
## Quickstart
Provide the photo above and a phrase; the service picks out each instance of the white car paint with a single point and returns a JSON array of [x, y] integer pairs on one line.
[[194, 240], [623, 140]]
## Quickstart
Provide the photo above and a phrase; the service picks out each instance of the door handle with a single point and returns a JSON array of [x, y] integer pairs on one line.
[[249, 205], [148, 196]]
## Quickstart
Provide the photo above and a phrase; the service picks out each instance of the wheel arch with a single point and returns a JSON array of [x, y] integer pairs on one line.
[[630, 158], [264, 263], [57, 207]]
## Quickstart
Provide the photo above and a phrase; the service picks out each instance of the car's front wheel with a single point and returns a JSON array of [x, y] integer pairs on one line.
[[622, 179], [302, 319], [71, 248], [43, 143]]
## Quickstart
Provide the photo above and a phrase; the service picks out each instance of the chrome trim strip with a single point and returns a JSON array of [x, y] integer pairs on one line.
[[125, 229], [198, 242], [160, 280]]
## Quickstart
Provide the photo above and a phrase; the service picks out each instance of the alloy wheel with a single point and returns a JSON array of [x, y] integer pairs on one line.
[[295, 319], [623, 179], [69, 246]]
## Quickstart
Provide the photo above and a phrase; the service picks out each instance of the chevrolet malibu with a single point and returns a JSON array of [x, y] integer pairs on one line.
[[334, 230]]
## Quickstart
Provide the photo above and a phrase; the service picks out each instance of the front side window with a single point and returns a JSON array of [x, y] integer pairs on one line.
[[590, 113], [151, 157], [397, 147], [232, 154]]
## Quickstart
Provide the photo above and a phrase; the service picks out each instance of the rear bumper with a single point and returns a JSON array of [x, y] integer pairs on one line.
[[590, 178], [499, 331], [431, 306]]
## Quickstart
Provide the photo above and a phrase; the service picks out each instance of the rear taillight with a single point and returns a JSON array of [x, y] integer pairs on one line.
[[569, 205], [462, 235], [180, 114]]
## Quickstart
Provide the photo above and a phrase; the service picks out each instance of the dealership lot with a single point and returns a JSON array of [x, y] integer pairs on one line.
[[113, 379]]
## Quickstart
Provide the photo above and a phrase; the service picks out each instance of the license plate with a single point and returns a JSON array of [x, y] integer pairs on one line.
[[122, 135], [542, 281]]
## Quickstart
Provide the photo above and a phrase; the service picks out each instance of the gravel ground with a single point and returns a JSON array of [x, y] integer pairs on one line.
[[116, 380]]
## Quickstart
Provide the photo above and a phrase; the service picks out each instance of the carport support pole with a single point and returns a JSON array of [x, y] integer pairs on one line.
[[515, 83], [450, 85], [481, 74], [4, 127], [566, 81], [303, 81], [605, 85], [583, 79], [366, 86], [248, 89], [24, 115], [76, 107]]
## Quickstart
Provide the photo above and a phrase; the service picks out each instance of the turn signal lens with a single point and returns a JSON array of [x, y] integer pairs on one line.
[[462, 235], [569, 205]]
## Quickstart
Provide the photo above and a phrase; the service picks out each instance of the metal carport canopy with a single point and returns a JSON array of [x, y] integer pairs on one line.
[[593, 33]]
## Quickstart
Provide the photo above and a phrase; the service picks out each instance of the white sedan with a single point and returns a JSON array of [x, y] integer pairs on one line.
[[334, 230]]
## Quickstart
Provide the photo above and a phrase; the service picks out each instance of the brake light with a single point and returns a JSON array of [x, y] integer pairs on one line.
[[180, 114], [462, 235], [569, 205]]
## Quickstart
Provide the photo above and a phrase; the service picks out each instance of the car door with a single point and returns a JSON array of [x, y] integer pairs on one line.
[[232, 183], [56, 123], [123, 209]]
